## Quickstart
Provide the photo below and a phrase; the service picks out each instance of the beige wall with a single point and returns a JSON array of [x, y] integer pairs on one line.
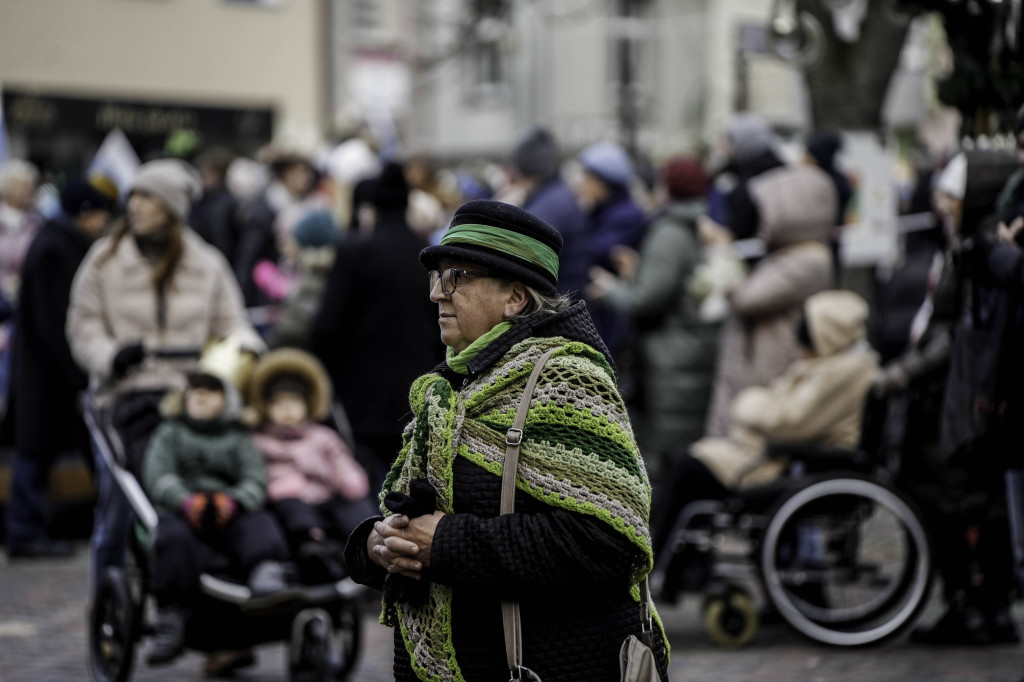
[[191, 51]]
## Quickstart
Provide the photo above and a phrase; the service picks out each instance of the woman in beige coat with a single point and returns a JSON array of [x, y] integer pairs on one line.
[[796, 205], [153, 284], [818, 399]]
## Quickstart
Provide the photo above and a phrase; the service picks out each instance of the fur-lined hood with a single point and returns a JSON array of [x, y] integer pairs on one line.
[[291, 361]]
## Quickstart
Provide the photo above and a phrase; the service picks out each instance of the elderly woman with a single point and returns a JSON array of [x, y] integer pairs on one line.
[[19, 221], [151, 284], [577, 545]]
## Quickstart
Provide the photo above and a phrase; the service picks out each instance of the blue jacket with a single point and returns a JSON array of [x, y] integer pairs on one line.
[[554, 203], [618, 220]]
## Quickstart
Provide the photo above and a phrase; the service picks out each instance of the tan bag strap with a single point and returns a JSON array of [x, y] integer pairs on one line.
[[513, 438], [646, 615]]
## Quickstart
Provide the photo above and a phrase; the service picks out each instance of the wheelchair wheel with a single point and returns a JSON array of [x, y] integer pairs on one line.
[[309, 655], [346, 639], [846, 561], [730, 618], [112, 629]]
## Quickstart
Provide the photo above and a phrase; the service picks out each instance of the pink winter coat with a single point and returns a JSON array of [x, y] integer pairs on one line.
[[309, 462]]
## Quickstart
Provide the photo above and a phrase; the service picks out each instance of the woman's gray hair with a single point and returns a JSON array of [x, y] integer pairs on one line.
[[537, 302], [16, 170]]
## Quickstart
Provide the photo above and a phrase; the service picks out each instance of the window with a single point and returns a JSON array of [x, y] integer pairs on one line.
[[486, 54], [375, 22]]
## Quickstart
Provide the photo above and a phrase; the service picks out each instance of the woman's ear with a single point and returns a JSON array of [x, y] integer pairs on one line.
[[516, 301]]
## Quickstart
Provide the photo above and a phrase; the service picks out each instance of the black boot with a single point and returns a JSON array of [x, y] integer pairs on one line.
[[960, 625], [168, 637]]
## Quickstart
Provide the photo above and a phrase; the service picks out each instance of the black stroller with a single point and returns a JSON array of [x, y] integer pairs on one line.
[[323, 628]]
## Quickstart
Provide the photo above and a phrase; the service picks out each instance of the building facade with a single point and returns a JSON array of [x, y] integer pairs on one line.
[[452, 78], [239, 72]]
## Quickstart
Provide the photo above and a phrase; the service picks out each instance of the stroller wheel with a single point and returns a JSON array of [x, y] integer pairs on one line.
[[309, 659], [346, 639], [112, 629], [730, 618]]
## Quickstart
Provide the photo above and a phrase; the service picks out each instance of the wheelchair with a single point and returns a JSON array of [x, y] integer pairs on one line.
[[831, 547], [323, 629]]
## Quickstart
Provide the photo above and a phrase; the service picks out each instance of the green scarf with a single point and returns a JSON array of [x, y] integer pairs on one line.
[[459, 361], [578, 454]]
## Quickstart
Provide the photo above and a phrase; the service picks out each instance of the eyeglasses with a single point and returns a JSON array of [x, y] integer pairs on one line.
[[450, 278]]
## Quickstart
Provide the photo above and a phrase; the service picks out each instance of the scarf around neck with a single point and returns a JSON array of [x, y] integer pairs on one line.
[[458, 361], [578, 454]]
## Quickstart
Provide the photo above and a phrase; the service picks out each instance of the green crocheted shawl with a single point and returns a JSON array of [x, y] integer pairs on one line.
[[578, 454]]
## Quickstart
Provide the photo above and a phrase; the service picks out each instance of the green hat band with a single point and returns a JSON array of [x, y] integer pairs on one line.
[[504, 241]]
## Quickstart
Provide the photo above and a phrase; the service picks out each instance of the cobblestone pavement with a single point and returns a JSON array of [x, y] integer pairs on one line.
[[43, 639]]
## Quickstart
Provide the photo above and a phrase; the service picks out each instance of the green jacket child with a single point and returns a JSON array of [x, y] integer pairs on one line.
[[208, 483], [188, 456]]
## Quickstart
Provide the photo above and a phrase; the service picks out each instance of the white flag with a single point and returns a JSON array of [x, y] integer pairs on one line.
[[117, 160]]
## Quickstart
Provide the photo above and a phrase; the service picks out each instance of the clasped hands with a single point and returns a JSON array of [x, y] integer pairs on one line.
[[402, 545]]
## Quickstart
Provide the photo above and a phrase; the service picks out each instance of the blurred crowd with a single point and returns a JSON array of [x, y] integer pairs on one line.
[[697, 271]]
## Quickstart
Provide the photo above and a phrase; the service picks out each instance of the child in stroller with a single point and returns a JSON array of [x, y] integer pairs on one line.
[[208, 483], [316, 489], [206, 548]]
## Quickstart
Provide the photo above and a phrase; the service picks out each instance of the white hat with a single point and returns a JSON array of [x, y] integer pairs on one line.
[[173, 182]]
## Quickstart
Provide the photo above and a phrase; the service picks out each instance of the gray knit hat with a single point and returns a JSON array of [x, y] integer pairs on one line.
[[173, 182]]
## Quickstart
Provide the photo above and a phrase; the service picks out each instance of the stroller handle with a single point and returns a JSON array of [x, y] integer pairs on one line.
[[175, 353]]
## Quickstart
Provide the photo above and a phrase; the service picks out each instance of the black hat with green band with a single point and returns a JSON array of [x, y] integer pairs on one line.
[[503, 238]]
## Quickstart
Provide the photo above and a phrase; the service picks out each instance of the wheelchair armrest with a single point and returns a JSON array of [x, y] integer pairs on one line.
[[817, 456]]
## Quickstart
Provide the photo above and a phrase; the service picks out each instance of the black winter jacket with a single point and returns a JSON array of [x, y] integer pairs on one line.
[[984, 398], [376, 329], [742, 217], [45, 380], [256, 242]]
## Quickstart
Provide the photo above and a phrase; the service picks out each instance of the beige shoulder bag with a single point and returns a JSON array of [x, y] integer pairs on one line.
[[636, 659]]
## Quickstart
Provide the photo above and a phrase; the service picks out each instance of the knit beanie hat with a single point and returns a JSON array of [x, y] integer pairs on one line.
[[684, 177], [503, 238], [81, 196], [171, 181], [535, 154], [315, 229], [608, 161], [390, 193]]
